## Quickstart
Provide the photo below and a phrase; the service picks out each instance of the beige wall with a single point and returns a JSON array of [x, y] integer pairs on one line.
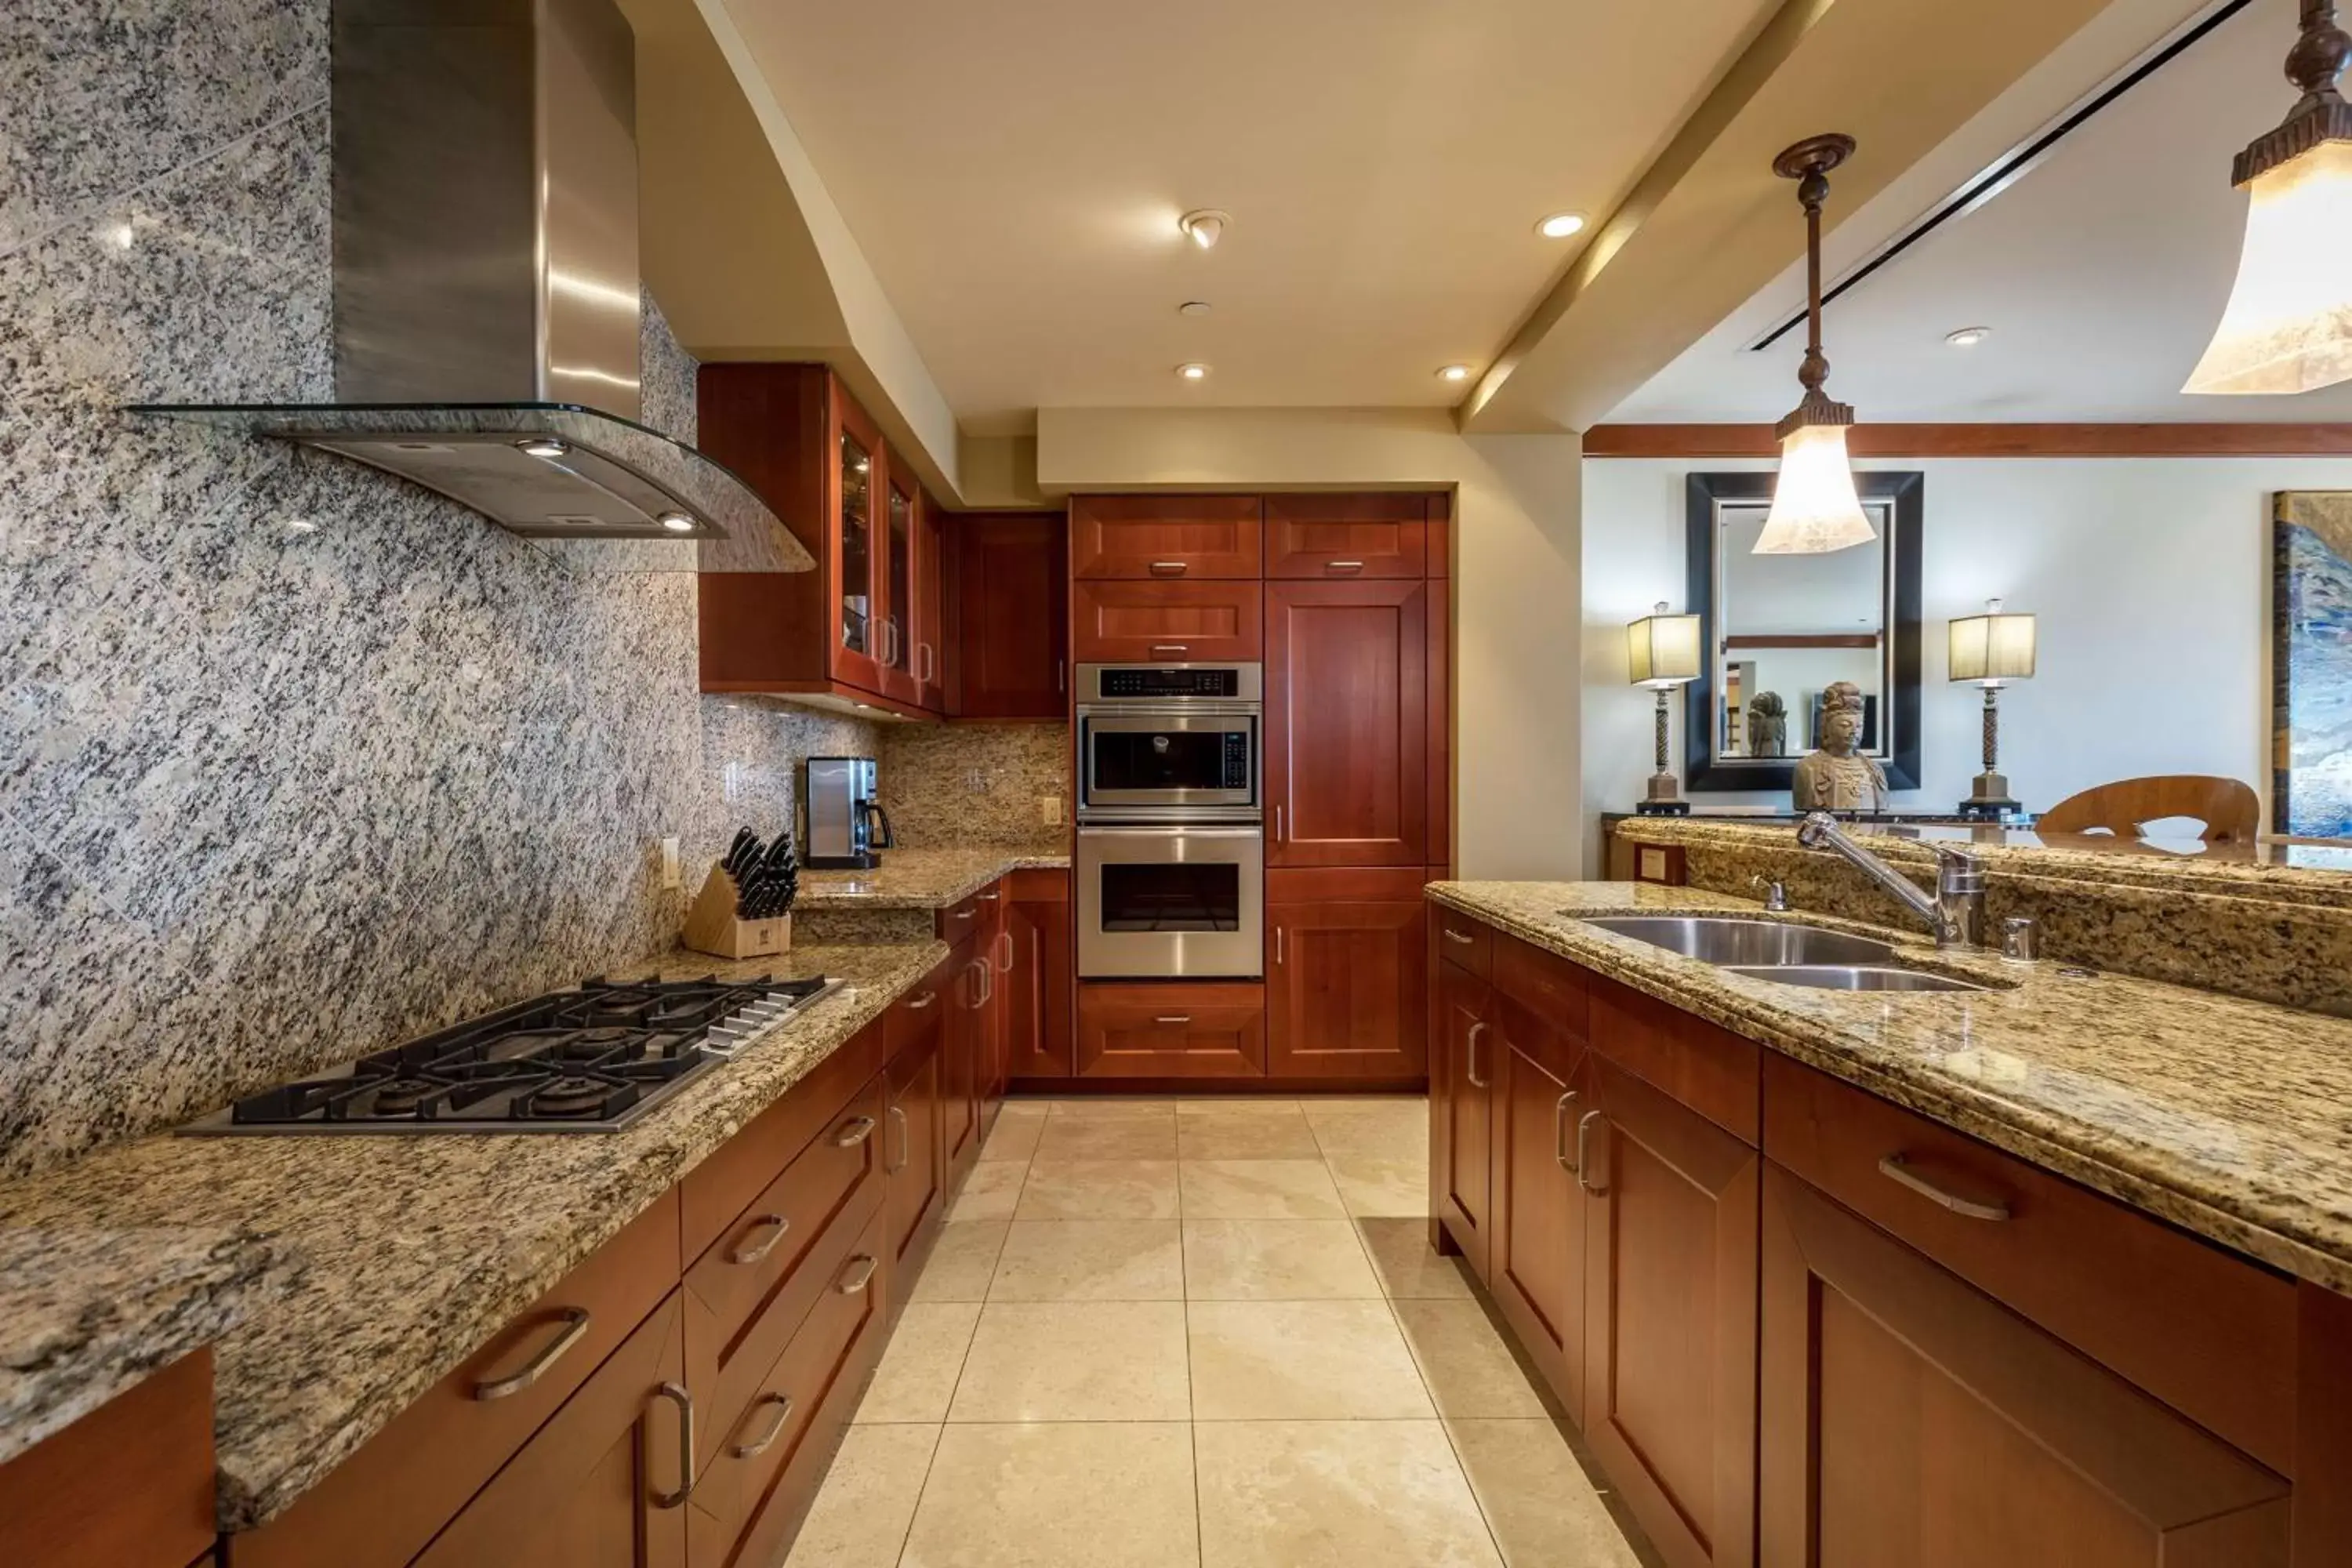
[[1515, 574]]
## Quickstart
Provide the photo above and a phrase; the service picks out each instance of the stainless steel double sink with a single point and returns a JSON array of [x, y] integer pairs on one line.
[[1781, 950]]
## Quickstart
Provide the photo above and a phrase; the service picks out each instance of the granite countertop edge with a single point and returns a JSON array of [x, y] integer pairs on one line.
[[2294, 1231], [921, 879]]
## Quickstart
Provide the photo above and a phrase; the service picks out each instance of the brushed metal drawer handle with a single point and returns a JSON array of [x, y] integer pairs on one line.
[[1004, 952], [863, 1267], [1470, 1060], [1584, 1155], [917, 1004], [854, 1131], [1462, 937], [1171, 568], [765, 1440], [1560, 1133], [775, 1224], [1171, 647], [967, 914], [1344, 565], [1174, 1019], [906, 1142], [1896, 1168], [575, 1328], [685, 1403]]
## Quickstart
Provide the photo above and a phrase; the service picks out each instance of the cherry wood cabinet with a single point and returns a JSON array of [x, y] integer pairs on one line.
[[130, 1485], [1347, 536], [1909, 1418], [1008, 616], [931, 648], [1038, 989], [1166, 536], [604, 1482], [965, 1048], [913, 1153], [1536, 1241], [1180, 1029], [1347, 724], [1119, 622], [1346, 976], [1669, 1315], [1461, 1086]]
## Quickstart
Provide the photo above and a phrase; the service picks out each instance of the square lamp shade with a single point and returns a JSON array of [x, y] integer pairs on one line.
[[1992, 648], [1662, 650]]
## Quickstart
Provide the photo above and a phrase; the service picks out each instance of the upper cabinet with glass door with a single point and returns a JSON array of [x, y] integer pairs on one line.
[[861, 623]]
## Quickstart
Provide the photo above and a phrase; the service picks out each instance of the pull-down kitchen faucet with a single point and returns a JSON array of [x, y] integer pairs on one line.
[[1957, 909]]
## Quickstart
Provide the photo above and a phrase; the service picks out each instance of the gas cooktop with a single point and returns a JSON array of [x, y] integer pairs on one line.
[[590, 1060]]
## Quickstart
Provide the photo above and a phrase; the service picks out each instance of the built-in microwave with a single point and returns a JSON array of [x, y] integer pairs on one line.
[[1169, 742]]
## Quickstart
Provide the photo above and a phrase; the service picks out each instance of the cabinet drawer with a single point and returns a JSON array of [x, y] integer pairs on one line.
[[382, 1504], [1462, 941], [1165, 536], [960, 920], [1165, 623], [715, 1194], [1545, 983], [2208, 1333], [1347, 536], [746, 1296], [755, 1447], [1178, 1030], [1711, 1070], [130, 1485], [914, 1018]]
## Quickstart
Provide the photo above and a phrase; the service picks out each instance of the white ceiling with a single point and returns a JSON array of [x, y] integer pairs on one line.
[[2102, 273], [1013, 177]]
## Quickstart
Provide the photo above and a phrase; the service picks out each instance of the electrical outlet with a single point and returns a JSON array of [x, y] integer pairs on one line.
[[669, 872], [1049, 806], [975, 780]]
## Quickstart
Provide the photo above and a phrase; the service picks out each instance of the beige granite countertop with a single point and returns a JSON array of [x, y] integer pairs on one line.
[[2229, 1117], [921, 879], [414, 1250], [86, 1314]]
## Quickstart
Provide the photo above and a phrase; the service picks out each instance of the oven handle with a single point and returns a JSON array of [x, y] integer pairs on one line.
[[1204, 832]]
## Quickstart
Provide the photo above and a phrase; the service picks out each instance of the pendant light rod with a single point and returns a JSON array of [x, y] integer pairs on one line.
[[1808, 163], [2321, 115]]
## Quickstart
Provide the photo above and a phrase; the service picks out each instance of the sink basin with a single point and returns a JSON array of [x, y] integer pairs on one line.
[[1725, 940], [1853, 977]]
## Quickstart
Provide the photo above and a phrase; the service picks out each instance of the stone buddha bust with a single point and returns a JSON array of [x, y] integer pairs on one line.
[[1838, 777]]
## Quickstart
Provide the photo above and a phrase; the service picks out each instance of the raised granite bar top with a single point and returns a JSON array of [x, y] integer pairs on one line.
[[921, 879], [86, 1314], [2227, 1117], [415, 1250]]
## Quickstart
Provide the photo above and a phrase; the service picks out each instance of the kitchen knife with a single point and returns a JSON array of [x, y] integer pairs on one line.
[[741, 852]]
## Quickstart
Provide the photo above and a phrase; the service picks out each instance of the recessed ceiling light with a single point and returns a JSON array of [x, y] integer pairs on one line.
[[1204, 226], [1454, 373], [545, 446], [1194, 308], [1967, 337], [678, 522], [1559, 225], [1193, 372]]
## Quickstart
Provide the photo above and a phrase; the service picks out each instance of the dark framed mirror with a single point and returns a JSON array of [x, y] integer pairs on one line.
[[1776, 630]]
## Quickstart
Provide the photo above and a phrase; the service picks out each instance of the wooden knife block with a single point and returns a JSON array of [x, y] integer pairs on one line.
[[712, 926]]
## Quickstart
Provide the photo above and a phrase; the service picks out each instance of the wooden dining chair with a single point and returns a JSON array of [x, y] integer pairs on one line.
[[2230, 810]]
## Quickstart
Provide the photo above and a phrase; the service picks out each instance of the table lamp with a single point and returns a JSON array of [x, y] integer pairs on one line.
[[1663, 651], [1991, 649]]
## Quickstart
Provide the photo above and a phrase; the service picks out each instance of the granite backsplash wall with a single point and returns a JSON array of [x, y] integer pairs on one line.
[[969, 785], [294, 760]]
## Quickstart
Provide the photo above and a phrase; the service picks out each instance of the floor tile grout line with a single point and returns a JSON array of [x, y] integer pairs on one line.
[[906, 1536]]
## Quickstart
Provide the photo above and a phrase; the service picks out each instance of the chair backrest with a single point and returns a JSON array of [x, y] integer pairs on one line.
[[2230, 810]]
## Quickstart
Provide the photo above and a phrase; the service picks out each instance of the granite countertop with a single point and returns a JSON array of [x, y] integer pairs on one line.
[[414, 1250], [922, 878], [86, 1314], [2229, 1117]]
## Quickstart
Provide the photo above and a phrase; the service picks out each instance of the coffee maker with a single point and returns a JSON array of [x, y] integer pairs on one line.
[[845, 826]]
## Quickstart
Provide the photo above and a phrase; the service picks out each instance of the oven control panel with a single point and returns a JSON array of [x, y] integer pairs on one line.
[[1213, 682], [1237, 759]]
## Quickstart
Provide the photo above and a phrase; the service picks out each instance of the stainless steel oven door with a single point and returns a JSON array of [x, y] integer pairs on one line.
[[1158, 762], [1172, 902]]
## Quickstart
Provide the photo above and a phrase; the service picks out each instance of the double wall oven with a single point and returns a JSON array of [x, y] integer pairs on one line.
[[1171, 849]]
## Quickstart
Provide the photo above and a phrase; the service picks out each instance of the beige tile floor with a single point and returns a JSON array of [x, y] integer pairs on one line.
[[1202, 1334]]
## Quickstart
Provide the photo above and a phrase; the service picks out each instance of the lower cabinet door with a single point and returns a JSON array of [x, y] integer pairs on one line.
[[1536, 1244], [604, 1483], [1670, 1317], [1201, 1028], [1461, 1082], [965, 1068], [914, 1196], [1037, 1000], [1909, 1418], [1347, 974]]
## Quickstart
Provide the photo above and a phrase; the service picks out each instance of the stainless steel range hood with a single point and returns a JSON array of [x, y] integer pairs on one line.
[[486, 280]]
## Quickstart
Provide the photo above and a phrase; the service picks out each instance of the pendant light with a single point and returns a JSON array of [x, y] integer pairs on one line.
[[2288, 326], [1814, 508]]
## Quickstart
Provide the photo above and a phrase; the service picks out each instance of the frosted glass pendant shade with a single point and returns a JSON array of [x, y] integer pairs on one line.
[[1814, 508], [2288, 327]]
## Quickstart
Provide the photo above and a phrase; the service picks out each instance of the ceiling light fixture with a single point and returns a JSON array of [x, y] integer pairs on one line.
[[2288, 325], [1204, 226], [1814, 508], [545, 446], [678, 522], [1967, 337], [1193, 372], [1454, 373], [1559, 225], [1194, 308]]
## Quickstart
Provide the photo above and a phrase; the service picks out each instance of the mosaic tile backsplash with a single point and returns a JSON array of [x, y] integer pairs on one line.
[[294, 760]]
